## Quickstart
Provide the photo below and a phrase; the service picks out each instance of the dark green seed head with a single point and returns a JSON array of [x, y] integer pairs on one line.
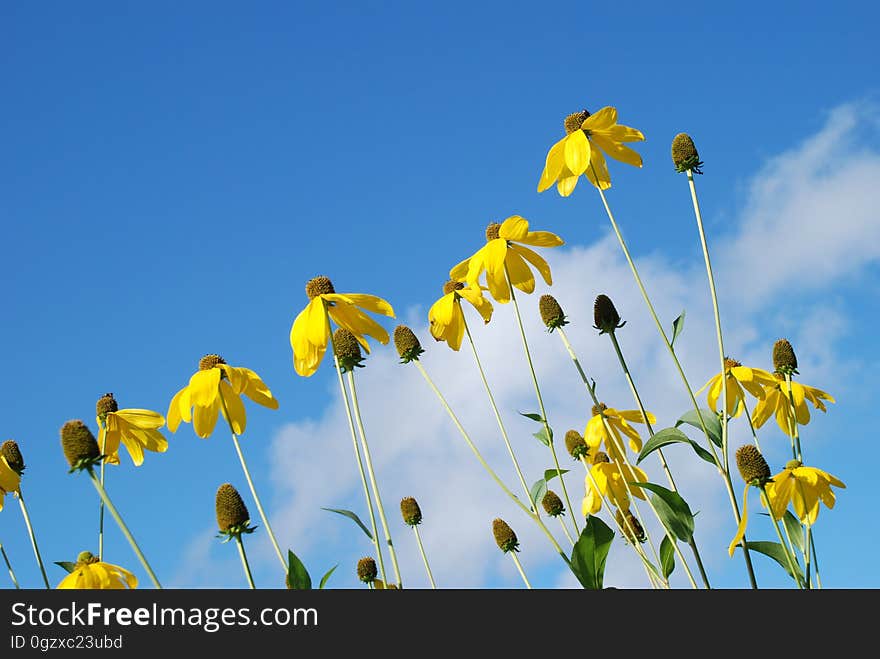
[[752, 466], [551, 312], [684, 154], [319, 286], [577, 447], [231, 511], [450, 286], [105, 405], [492, 231], [407, 344], [13, 456], [605, 315], [574, 121], [348, 350], [632, 529], [552, 504], [410, 511], [208, 362], [784, 359], [366, 569], [79, 444], [504, 536]]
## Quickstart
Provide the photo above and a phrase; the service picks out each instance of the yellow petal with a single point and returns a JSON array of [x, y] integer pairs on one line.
[[441, 311], [237, 378], [536, 260], [235, 408], [203, 387], [316, 324], [553, 165], [519, 273], [370, 303], [174, 415], [10, 481], [566, 184], [601, 120], [620, 133], [577, 152], [257, 391], [635, 416], [480, 303], [205, 417], [616, 150], [357, 322], [141, 418], [498, 287], [495, 255], [779, 492], [741, 529], [108, 440], [514, 228], [459, 272], [597, 172]]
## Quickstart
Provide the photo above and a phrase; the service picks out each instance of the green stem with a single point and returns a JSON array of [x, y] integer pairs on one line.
[[794, 427], [486, 466], [751, 426], [357, 453], [725, 473], [504, 435], [9, 567], [244, 561], [33, 537], [369, 462], [546, 423], [128, 536], [792, 564], [250, 482], [424, 557], [520, 568], [815, 561], [564, 528], [101, 502]]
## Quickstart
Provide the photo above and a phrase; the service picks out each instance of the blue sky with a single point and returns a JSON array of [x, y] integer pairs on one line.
[[172, 176]]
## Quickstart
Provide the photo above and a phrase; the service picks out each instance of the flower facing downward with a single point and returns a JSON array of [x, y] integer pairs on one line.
[[92, 574], [505, 538], [10, 480], [502, 256], [216, 388], [611, 480], [311, 329], [803, 487], [597, 433], [137, 429], [581, 151], [739, 380], [777, 401], [446, 315], [79, 445]]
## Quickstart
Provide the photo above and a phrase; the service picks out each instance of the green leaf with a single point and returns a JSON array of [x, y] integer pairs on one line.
[[713, 423], [67, 565], [795, 530], [327, 576], [777, 552], [351, 516], [543, 437], [667, 556], [539, 489], [671, 436], [533, 416], [590, 552], [297, 575], [550, 474], [674, 512], [677, 327]]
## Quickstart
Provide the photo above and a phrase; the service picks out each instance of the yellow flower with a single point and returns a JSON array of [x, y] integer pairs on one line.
[[136, 428], [580, 151], [776, 400], [597, 434], [501, 256], [804, 487], [92, 574], [311, 329], [217, 387], [447, 317], [605, 479], [739, 377], [10, 481]]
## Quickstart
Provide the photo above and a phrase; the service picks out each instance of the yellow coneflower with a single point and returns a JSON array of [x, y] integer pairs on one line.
[[611, 480], [776, 401], [803, 487], [311, 329], [502, 258], [93, 574], [10, 480], [739, 380], [137, 429], [596, 432], [446, 315], [580, 151]]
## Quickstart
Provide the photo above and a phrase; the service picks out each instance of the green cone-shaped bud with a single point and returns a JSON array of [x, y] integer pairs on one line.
[[410, 511], [684, 154], [551, 312], [407, 344], [577, 447], [231, 511], [504, 536], [79, 445], [752, 466], [784, 359], [552, 504]]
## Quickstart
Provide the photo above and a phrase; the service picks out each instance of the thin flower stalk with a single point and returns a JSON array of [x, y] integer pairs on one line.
[[520, 568], [542, 410], [371, 473], [357, 453], [415, 529], [101, 501], [536, 518], [122, 526], [792, 563], [250, 482], [723, 471], [564, 529], [244, 561], [33, 537], [504, 435], [9, 567]]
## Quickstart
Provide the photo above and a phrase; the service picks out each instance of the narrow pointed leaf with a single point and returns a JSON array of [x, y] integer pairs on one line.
[[543, 437], [671, 436], [353, 517], [550, 474], [326, 577], [795, 530], [713, 423], [533, 416], [674, 511], [667, 557], [539, 489], [590, 552], [297, 575], [677, 327], [67, 565], [777, 552]]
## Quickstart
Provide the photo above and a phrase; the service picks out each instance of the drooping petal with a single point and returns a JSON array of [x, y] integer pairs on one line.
[[514, 228], [459, 272], [10, 481], [174, 413], [317, 326], [257, 391], [357, 322], [764, 408], [205, 417], [597, 172], [108, 439], [455, 331], [370, 303], [741, 529], [536, 260], [203, 387], [235, 408], [594, 433], [541, 239], [441, 311], [498, 287], [519, 272], [620, 133], [577, 152], [480, 303], [553, 165], [635, 416], [495, 255], [566, 182], [237, 379], [616, 150], [779, 492], [141, 418], [601, 120]]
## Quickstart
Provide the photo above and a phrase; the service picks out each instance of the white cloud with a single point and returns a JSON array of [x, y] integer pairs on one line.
[[809, 221]]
